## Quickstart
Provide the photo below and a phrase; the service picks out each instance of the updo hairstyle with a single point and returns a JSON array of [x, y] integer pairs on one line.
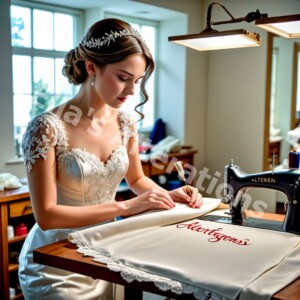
[[116, 51]]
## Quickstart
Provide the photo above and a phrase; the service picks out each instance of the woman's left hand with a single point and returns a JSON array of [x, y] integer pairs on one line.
[[182, 195]]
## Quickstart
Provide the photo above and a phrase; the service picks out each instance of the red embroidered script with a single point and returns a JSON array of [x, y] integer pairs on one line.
[[215, 235]]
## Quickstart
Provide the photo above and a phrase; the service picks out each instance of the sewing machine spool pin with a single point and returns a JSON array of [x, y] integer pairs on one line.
[[237, 182]]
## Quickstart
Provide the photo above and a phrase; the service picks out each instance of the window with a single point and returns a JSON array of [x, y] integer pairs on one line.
[[40, 37], [149, 31]]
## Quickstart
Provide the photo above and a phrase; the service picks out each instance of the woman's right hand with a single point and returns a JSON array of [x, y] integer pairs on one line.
[[153, 199]]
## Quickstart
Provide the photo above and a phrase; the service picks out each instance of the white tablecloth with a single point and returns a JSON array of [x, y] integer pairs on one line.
[[179, 252]]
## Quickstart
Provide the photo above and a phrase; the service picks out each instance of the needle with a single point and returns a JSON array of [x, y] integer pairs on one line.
[[180, 170]]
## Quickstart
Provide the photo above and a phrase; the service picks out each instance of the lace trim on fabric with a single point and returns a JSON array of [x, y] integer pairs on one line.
[[130, 274]]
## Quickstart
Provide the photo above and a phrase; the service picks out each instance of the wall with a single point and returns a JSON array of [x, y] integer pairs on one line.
[[236, 94], [6, 104], [171, 71], [184, 108], [284, 89]]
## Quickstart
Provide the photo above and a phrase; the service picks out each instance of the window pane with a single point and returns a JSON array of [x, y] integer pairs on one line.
[[42, 29], [62, 86], [132, 101], [21, 74], [42, 100], [148, 34], [63, 32], [22, 109], [20, 26], [135, 26], [38, 83], [148, 107], [59, 99], [43, 70], [43, 84]]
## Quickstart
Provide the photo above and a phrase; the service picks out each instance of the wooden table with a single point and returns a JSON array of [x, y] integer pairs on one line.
[[153, 166], [63, 255]]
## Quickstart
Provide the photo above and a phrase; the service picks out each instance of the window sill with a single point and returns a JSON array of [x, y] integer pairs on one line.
[[145, 130], [15, 161]]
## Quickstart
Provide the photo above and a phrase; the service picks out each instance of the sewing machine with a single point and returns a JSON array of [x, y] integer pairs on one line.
[[236, 183]]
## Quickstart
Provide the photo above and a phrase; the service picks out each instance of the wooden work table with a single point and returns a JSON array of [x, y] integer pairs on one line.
[[64, 255]]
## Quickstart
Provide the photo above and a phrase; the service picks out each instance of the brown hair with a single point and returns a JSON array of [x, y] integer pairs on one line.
[[113, 52]]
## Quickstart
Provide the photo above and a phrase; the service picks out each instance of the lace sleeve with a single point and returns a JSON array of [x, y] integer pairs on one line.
[[128, 127], [38, 139]]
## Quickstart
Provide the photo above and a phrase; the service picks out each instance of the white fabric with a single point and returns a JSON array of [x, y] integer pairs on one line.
[[9, 181], [82, 179], [293, 136], [205, 258]]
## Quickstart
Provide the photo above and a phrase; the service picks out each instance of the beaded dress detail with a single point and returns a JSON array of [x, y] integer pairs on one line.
[[82, 179]]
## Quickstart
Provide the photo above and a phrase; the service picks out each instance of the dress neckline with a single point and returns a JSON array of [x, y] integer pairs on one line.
[[75, 150]]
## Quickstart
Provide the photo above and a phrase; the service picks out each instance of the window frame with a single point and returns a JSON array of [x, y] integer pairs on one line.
[[32, 52]]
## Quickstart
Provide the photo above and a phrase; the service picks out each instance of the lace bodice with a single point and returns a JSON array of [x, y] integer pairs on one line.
[[82, 178]]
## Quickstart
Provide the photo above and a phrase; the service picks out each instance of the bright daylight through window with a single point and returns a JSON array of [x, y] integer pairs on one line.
[[38, 54], [40, 39]]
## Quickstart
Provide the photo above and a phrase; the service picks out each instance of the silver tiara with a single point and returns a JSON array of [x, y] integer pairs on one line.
[[110, 37]]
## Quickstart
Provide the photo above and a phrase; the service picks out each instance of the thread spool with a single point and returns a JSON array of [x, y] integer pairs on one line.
[[21, 229], [294, 159], [10, 232], [12, 293]]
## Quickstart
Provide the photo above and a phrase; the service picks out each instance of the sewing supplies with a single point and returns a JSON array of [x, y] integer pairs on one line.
[[180, 170], [294, 159], [237, 182], [10, 232], [21, 229]]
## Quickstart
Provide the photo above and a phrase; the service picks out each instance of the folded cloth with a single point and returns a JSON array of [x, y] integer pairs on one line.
[[9, 181], [167, 145], [178, 252], [293, 137]]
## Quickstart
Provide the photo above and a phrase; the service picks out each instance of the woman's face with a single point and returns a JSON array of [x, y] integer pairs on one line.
[[116, 82]]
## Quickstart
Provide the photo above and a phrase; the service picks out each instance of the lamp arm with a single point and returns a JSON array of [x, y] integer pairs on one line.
[[250, 17]]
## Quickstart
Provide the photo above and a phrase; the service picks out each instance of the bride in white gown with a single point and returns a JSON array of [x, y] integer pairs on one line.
[[77, 154]]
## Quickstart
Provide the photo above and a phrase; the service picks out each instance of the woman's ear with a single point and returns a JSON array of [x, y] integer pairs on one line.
[[90, 68]]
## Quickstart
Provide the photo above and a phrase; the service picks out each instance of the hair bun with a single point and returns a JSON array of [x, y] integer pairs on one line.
[[74, 68]]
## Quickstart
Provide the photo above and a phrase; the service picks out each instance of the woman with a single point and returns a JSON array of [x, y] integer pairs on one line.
[[77, 154]]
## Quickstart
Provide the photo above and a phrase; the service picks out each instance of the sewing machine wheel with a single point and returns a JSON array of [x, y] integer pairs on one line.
[[249, 222]]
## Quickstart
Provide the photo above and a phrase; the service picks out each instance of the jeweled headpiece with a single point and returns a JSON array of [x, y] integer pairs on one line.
[[110, 37]]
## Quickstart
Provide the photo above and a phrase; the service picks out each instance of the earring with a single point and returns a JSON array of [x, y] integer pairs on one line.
[[93, 81]]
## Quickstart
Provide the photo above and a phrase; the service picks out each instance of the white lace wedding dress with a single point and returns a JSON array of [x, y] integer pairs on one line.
[[82, 179]]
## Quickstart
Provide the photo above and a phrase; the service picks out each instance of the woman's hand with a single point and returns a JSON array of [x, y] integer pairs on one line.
[[153, 199], [182, 195]]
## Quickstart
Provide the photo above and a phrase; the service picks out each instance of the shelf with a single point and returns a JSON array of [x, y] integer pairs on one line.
[[17, 239], [13, 267], [15, 207], [19, 296]]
